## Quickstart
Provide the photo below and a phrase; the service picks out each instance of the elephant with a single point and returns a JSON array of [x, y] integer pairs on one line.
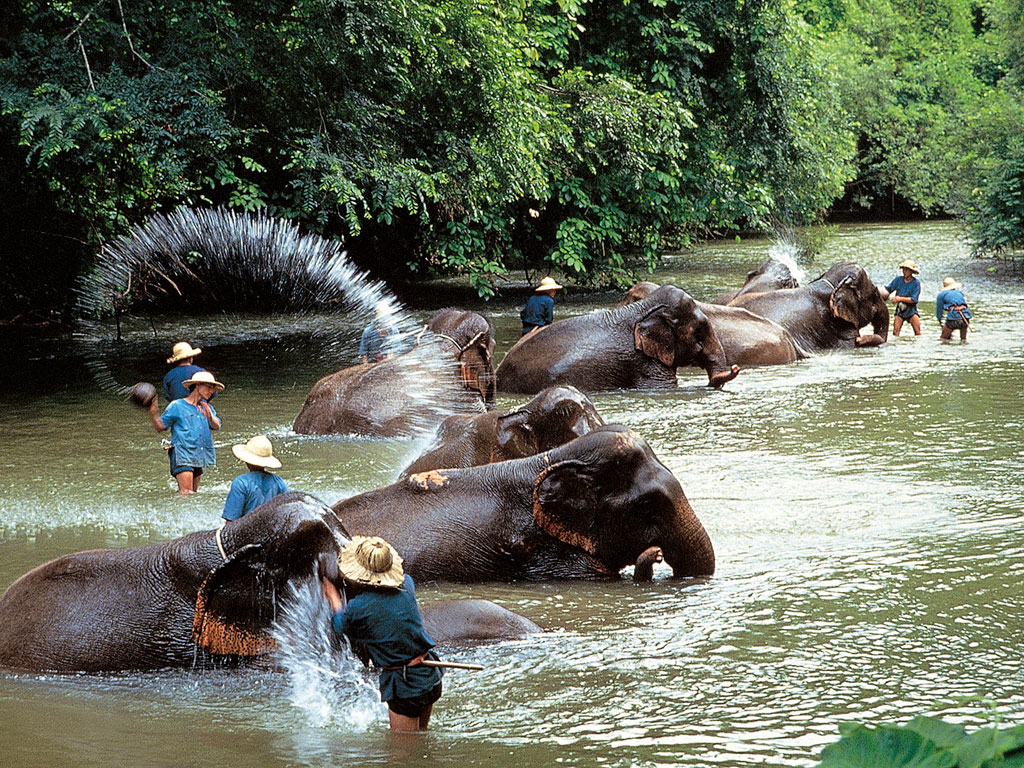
[[748, 339], [770, 276], [185, 604], [828, 312], [471, 621], [555, 416], [583, 510], [637, 346], [450, 370]]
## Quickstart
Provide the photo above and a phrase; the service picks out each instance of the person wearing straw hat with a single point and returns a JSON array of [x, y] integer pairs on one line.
[[383, 617], [907, 290], [952, 303], [540, 307], [257, 485], [373, 344], [190, 420], [184, 355]]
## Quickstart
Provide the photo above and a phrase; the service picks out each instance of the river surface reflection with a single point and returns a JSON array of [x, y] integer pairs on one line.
[[865, 507]]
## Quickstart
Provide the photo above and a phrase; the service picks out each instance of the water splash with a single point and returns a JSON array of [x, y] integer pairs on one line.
[[785, 252], [328, 683]]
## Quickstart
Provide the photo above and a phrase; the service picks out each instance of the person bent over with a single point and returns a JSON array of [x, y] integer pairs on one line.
[[951, 303], [384, 618], [190, 420], [905, 291]]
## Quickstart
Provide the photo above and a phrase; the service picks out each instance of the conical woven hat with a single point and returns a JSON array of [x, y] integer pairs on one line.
[[372, 561]]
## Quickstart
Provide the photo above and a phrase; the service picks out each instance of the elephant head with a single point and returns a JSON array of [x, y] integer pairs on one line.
[[609, 495], [856, 299], [555, 416], [472, 338], [640, 291], [675, 331]]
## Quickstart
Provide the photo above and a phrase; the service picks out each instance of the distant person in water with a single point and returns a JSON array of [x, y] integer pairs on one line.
[[257, 485], [190, 420], [383, 617], [951, 303], [905, 290], [183, 357], [374, 344], [540, 308]]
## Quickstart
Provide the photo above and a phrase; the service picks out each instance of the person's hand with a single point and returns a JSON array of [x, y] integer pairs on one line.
[[204, 407]]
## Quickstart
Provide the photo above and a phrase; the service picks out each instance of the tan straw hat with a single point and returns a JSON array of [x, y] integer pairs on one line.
[[908, 264], [949, 282], [258, 451], [547, 284], [372, 561], [182, 351], [203, 377]]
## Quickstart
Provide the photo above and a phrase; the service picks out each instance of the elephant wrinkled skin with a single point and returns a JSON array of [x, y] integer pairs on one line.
[[770, 276]]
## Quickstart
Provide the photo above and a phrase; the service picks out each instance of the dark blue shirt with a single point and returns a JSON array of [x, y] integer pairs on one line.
[[389, 625], [951, 297], [191, 438], [173, 388], [250, 490], [911, 290], [539, 310], [371, 344]]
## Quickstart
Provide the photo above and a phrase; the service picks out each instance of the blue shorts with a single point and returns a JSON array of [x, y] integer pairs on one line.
[[177, 469]]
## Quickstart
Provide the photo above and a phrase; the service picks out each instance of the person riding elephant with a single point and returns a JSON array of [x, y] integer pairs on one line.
[[584, 510], [555, 416], [770, 276], [638, 346], [205, 600], [450, 370], [748, 339], [828, 312]]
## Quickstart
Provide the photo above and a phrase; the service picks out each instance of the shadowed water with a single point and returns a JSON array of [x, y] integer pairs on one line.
[[865, 508]]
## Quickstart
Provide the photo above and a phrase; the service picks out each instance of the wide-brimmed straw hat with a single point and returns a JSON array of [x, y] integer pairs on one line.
[[908, 264], [949, 282], [182, 351], [547, 284], [203, 377], [383, 310], [258, 451], [372, 561]]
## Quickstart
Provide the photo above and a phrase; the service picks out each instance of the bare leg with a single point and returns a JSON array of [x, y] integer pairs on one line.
[[403, 723], [963, 334], [915, 322], [195, 482], [945, 333], [425, 717], [185, 481], [897, 324]]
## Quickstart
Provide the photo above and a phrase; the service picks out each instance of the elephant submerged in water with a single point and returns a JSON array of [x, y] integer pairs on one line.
[[583, 510], [450, 370], [637, 346], [185, 604], [555, 416], [772, 275]]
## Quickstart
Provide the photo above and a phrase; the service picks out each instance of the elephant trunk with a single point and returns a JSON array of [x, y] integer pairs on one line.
[[689, 551], [716, 364], [880, 320]]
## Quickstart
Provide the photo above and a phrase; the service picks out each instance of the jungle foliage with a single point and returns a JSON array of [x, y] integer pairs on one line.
[[463, 137]]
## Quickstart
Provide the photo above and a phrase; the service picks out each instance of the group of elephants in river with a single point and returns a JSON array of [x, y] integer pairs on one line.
[[543, 491]]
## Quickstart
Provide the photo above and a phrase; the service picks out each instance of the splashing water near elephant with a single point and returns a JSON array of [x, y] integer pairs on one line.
[[327, 683], [201, 262], [785, 252]]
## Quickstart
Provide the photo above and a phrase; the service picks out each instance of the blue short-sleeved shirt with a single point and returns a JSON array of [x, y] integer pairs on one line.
[[191, 438], [173, 388], [250, 490], [911, 290], [389, 625], [539, 310], [951, 297], [372, 344]]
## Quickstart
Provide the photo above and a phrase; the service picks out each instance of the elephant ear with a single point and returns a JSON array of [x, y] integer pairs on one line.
[[846, 303], [515, 436], [226, 619], [655, 336], [564, 504]]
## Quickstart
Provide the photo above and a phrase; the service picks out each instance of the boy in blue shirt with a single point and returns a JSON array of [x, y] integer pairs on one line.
[[540, 308], [184, 355], [257, 485], [383, 617], [908, 290], [190, 420], [952, 303]]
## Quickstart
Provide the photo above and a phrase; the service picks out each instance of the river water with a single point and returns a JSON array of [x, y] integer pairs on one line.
[[865, 507]]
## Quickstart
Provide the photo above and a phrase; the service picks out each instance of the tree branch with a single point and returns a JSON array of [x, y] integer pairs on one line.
[[88, 70]]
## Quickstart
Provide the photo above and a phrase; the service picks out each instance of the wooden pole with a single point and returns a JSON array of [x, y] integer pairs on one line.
[[451, 665]]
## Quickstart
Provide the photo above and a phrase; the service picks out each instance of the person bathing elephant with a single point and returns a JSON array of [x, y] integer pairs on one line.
[[555, 416], [450, 370], [828, 312], [638, 346], [584, 510], [204, 600]]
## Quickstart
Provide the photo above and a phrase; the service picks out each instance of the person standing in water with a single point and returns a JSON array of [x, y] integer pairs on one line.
[[384, 618], [908, 290], [190, 420], [257, 485], [540, 307], [183, 355], [373, 344], [951, 303]]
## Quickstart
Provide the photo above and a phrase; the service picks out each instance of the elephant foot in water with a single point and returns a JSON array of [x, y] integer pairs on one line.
[[870, 340], [723, 377], [644, 568]]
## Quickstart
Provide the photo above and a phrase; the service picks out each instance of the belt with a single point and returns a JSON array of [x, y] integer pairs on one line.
[[958, 308], [412, 662]]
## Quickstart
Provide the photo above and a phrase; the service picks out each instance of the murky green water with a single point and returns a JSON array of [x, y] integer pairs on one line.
[[865, 506]]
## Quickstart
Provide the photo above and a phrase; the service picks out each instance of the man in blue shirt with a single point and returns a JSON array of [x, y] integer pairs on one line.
[[952, 303], [184, 355], [257, 485], [373, 344], [907, 291], [190, 420], [540, 308], [384, 618]]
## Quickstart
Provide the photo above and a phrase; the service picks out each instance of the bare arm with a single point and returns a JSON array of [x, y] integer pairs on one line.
[[204, 407], [331, 593], [157, 424]]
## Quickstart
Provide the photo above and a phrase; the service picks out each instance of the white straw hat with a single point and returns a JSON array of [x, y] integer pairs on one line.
[[182, 351], [258, 451], [547, 284], [949, 282], [908, 264], [372, 561], [203, 377]]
